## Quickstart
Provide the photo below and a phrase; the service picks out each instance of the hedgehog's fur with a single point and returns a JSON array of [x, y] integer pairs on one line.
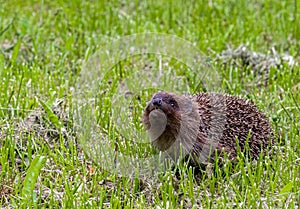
[[206, 123]]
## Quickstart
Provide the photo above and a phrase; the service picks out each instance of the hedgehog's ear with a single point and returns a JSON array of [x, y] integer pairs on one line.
[[184, 103]]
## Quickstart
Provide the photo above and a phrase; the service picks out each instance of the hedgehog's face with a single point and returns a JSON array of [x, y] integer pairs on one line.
[[168, 116], [162, 119], [163, 107]]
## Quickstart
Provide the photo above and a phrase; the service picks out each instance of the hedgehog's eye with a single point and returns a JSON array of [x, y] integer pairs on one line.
[[172, 103]]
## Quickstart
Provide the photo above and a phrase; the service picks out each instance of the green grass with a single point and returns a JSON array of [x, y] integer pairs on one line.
[[43, 46]]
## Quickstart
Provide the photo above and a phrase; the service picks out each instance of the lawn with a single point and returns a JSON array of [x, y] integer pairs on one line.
[[75, 77]]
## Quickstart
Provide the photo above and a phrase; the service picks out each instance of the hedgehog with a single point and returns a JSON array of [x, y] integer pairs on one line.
[[206, 126]]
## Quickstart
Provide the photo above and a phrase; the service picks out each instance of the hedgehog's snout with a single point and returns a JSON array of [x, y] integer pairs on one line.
[[156, 103]]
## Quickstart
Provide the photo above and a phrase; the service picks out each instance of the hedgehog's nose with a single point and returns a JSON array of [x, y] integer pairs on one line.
[[157, 102]]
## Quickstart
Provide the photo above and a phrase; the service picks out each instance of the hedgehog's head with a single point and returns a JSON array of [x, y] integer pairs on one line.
[[162, 118], [164, 109]]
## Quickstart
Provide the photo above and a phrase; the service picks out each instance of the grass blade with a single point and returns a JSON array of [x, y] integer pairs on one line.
[[31, 177], [52, 117]]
